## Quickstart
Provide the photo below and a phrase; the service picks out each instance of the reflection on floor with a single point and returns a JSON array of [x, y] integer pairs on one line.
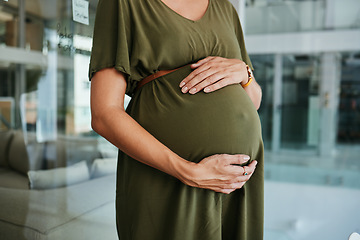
[[310, 212], [308, 197], [342, 169]]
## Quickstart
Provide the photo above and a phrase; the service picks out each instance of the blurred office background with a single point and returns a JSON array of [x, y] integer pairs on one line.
[[306, 55]]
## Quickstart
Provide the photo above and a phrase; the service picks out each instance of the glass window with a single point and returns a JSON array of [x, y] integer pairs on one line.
[[348, 131], [300, 102], [309, 114], [54, 169], [277, 16], [264, 71]]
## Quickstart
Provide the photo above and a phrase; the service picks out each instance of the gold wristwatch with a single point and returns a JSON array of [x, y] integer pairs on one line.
[[250, 77]]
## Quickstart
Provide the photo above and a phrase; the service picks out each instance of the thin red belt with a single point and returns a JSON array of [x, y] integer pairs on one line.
[[154, 76]]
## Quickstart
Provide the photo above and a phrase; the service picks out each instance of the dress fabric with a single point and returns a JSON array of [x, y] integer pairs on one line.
[[138, 38]]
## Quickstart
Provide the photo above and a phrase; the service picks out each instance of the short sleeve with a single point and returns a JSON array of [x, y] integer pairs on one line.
[[112, 39], [240, 36]]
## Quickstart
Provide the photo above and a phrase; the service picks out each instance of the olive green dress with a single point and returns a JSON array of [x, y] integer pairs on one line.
[[138, 38]]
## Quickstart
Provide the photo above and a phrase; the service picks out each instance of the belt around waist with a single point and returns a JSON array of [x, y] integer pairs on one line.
[[156, 75]]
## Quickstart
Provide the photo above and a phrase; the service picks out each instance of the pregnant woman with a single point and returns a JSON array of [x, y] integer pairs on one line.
[[190, 164]]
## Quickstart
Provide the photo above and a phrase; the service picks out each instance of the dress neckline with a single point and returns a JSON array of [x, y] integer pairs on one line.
[[188, 19]]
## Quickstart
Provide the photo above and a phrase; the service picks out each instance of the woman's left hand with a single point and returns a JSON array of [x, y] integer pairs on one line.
[[213, 73]]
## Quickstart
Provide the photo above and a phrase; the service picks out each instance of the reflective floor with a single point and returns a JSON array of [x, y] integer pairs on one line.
[[312, 198], [310, 212], [342, 169]]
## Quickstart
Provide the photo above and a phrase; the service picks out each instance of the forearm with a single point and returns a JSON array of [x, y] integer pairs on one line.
[[254, 92], [110, 120], [124, 132], [213, 73]]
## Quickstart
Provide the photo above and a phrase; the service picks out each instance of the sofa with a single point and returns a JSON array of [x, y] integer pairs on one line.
[[46, 198]]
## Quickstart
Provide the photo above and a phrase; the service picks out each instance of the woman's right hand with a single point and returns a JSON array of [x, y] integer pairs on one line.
[[220, 172]]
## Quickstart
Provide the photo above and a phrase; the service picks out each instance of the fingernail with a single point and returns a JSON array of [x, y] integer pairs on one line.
[[192, 91], [246, 158], [184, 89], [182, 84], [256, 162], [207, 89]]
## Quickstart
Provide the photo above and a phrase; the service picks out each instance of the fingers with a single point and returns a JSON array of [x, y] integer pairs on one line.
[[243, 174], [218, 85], [202, 61], [222, 173], [228, 188], [249, 170], [238, 159], [205, 75], [202, 80], [199, 83], [213, 73], [221, 190], [225, 190], [239, 181], [204, 68], [197, 70]]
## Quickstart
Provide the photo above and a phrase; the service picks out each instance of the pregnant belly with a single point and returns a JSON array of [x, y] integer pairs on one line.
[[200, 125]]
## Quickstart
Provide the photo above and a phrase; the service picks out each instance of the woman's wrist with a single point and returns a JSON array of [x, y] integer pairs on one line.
[[184, 171], [250, 77]]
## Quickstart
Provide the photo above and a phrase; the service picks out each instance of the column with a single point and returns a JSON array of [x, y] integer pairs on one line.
[[20, 75], [330, 72], [277, 102]]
